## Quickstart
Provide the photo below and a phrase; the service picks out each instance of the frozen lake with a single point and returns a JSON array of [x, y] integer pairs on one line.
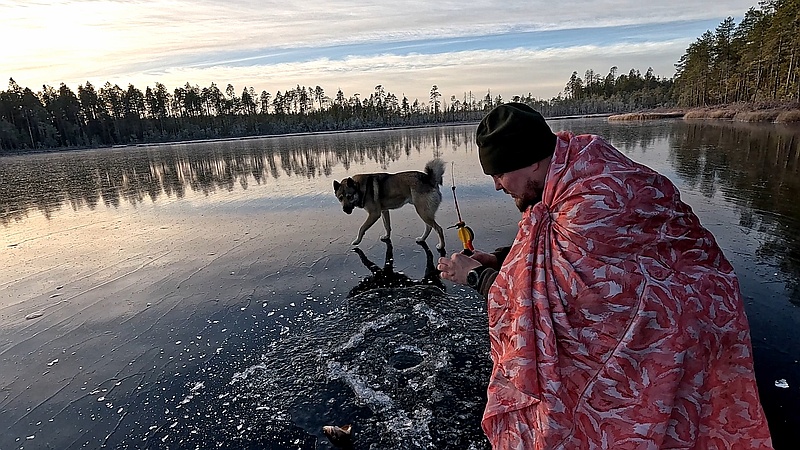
[[206, 295]]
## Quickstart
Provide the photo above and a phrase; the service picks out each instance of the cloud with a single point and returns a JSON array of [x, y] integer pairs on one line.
[[341, 42], [520, 71]]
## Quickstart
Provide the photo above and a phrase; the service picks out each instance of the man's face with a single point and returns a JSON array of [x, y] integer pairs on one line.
[[522, 185]]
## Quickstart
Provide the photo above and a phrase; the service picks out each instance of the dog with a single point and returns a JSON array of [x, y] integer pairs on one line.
[[377, 193]]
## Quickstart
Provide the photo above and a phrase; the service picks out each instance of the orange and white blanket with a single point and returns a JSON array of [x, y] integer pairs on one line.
[[616, 322]]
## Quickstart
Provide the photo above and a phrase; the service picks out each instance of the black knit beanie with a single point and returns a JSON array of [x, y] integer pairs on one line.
[[513, 136]]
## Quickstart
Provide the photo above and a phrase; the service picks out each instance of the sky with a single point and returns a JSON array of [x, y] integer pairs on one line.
[[507, 47]]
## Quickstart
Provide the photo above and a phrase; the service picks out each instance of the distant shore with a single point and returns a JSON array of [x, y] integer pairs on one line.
[[740, 112], [785, 113]]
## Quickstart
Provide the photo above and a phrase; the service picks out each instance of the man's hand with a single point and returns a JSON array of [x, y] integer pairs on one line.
[[456, 267], [486, 259]]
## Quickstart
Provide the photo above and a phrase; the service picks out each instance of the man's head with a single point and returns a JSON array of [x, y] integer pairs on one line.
[[515, 145], [525, 185]]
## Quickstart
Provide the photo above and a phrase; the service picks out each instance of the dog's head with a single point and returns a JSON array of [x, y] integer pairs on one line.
[[348, 193]]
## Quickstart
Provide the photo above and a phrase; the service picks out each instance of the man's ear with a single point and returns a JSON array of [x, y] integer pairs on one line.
[[545, 163], [535, 167], [335, 185]]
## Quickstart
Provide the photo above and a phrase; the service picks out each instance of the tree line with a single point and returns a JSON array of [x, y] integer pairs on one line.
[[756, 60], [111, 115], [60, 118]]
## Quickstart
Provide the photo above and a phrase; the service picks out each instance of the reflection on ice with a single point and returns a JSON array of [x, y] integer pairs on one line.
[[387, 277]]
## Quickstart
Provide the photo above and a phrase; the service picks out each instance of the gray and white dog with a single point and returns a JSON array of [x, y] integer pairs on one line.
[[377, 193]]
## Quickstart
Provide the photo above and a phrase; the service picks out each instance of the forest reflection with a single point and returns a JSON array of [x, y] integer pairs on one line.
[[110, 177], [756, 168], [751, 166]]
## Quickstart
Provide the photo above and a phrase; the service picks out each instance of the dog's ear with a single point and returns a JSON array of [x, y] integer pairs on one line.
[[335, 185], [350, 182]]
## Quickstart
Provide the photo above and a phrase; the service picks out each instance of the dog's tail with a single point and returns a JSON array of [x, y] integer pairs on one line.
[[434, 171]]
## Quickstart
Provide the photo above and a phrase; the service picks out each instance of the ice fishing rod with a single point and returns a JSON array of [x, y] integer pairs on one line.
[[465, 233]]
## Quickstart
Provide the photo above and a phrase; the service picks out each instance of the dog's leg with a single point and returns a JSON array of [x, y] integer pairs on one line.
[[425, 234], [427, 212], [431, 224], [371, 219], [440, 232], [387, 225]]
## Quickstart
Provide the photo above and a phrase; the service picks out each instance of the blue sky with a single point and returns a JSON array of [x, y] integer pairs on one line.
[[509, 47]]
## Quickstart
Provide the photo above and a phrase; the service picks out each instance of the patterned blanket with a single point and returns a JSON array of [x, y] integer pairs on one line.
[[616, 321]]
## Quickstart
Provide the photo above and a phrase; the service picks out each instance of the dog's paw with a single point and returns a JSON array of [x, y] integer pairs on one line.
[[420, 240], [386, 238]]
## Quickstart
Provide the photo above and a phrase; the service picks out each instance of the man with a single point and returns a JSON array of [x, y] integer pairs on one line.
[[615, 321]]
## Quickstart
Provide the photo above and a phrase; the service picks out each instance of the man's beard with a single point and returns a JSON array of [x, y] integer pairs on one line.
[[532, 196]]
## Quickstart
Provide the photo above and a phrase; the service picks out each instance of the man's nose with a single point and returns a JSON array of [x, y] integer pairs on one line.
[[497, 185]]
